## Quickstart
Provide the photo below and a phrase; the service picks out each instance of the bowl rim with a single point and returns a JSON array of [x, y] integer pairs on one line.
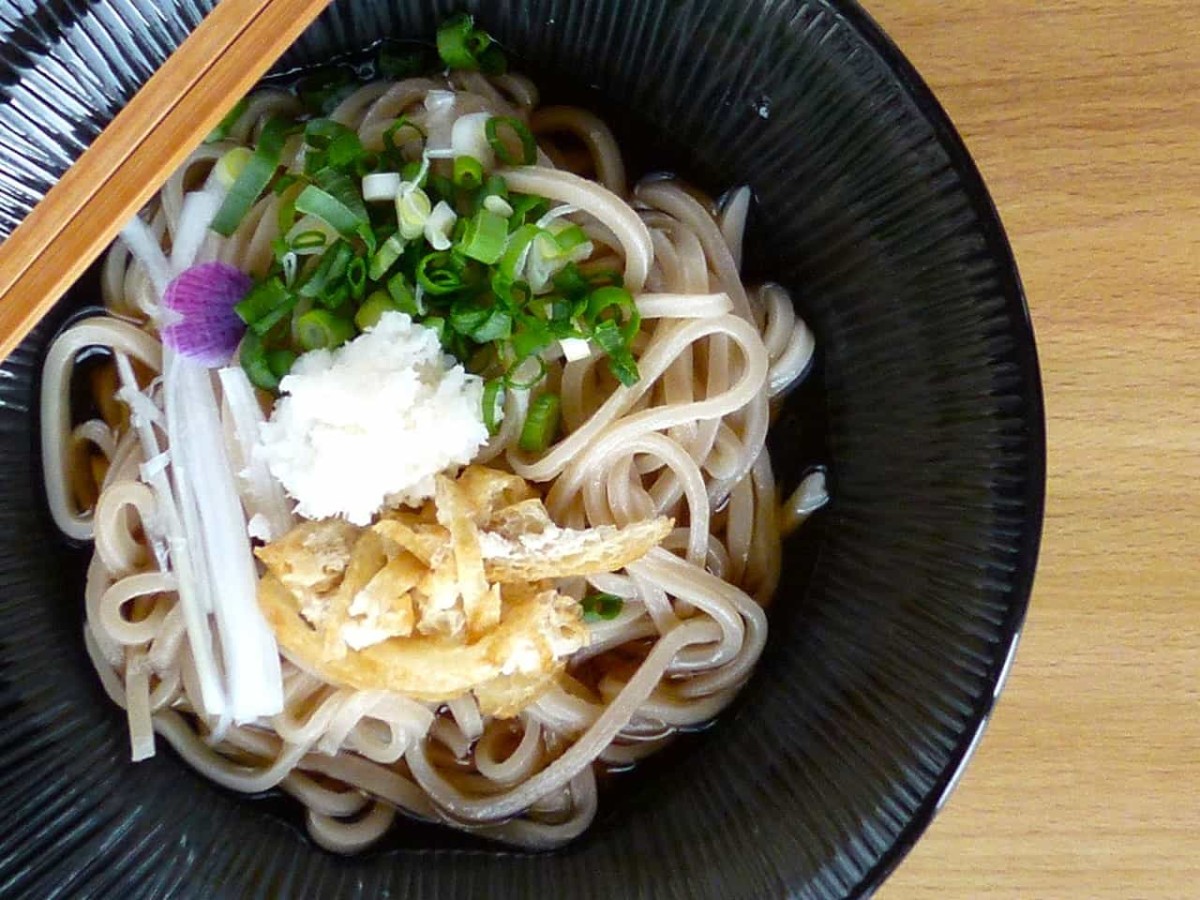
[[1034, 498], [999, 248]]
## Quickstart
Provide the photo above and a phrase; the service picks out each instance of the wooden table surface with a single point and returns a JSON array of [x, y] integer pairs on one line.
[[1084, 117]]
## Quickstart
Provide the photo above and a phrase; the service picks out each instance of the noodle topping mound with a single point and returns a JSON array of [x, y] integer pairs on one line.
[[455, 597]]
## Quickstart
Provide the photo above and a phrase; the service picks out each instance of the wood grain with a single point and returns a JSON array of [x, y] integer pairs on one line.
[[1084, 116], [220, 61]]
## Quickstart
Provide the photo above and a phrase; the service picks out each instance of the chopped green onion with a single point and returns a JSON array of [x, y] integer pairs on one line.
[[226, 124], [254, 361], [413, 208], [263, 298], [601, 607], [570, 281], [389, 135], [468, 172], [484, 237], [624, 367], [604, 301], [372, 309], [607, 335], [482, 324], [454, 42], [286, 217], [308, 241], [385, 257], [415, 173], [403, 297], [515, 253], [231, 164], [320, 328], [541, 424], [339, 205], [531, 337], [281, 362], [526, 208], [570, 237], [254, 177], [324, 280], [332, 145], [356, 275], [528, 145], [514, 380], [493, 404], [438, 273]]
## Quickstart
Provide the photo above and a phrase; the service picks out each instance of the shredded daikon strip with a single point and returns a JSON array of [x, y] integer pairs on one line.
[[205, 480], [197, 214], [146, 249], [262, 495], [178, 549]]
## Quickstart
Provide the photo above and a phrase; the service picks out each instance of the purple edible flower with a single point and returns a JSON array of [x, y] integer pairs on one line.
[[202, 324]]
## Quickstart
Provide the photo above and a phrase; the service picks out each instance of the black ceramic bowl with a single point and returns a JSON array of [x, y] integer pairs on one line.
[[900, 603]]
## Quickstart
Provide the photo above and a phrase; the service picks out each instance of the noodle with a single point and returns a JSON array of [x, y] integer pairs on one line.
[[687, 441]]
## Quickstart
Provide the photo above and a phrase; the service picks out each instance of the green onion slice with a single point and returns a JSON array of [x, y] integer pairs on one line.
[[493, 404], [484, 237], [372, 310], [340, 205], [541, 424], [439, 273], [601, 607], [320, 328], [454, 42], [254, 177], [468, 172], [521, 131], [254, 361]]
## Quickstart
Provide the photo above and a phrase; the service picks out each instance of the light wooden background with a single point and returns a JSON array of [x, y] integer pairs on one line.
[[1084, 116]]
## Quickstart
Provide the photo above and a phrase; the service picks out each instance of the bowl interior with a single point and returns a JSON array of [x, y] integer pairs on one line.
[[899, 605]]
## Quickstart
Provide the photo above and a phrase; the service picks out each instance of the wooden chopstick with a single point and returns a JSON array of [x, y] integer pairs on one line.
[[167, 119]]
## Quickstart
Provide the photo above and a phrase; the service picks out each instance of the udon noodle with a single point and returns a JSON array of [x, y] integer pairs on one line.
[[687, 441]]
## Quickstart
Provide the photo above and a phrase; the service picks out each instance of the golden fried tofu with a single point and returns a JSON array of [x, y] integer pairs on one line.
[[454, 597]]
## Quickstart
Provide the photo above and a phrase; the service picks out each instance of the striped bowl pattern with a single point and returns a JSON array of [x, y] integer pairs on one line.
[[900, 605]]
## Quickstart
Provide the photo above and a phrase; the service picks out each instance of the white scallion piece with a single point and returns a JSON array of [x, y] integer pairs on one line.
[[179, 549], [439, 225], [575, 349], [494, 203], [380, 187], [262, 496], [146, 249], [468, 137], [199, 207]]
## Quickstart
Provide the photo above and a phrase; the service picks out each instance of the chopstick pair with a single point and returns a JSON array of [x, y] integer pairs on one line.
[[128, 162]]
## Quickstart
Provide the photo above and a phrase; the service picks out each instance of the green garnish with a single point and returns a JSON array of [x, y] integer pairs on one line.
[[601, 607], [254, 177], [484, 237], [499, 296], [541, 424], [468, 172], [322, 329], [493, 404], [255, 363], [463, 46], [522, 133]]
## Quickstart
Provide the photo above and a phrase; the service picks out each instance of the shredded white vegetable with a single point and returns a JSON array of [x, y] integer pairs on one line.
[[262, 495], [204, 479], [143, 414]]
